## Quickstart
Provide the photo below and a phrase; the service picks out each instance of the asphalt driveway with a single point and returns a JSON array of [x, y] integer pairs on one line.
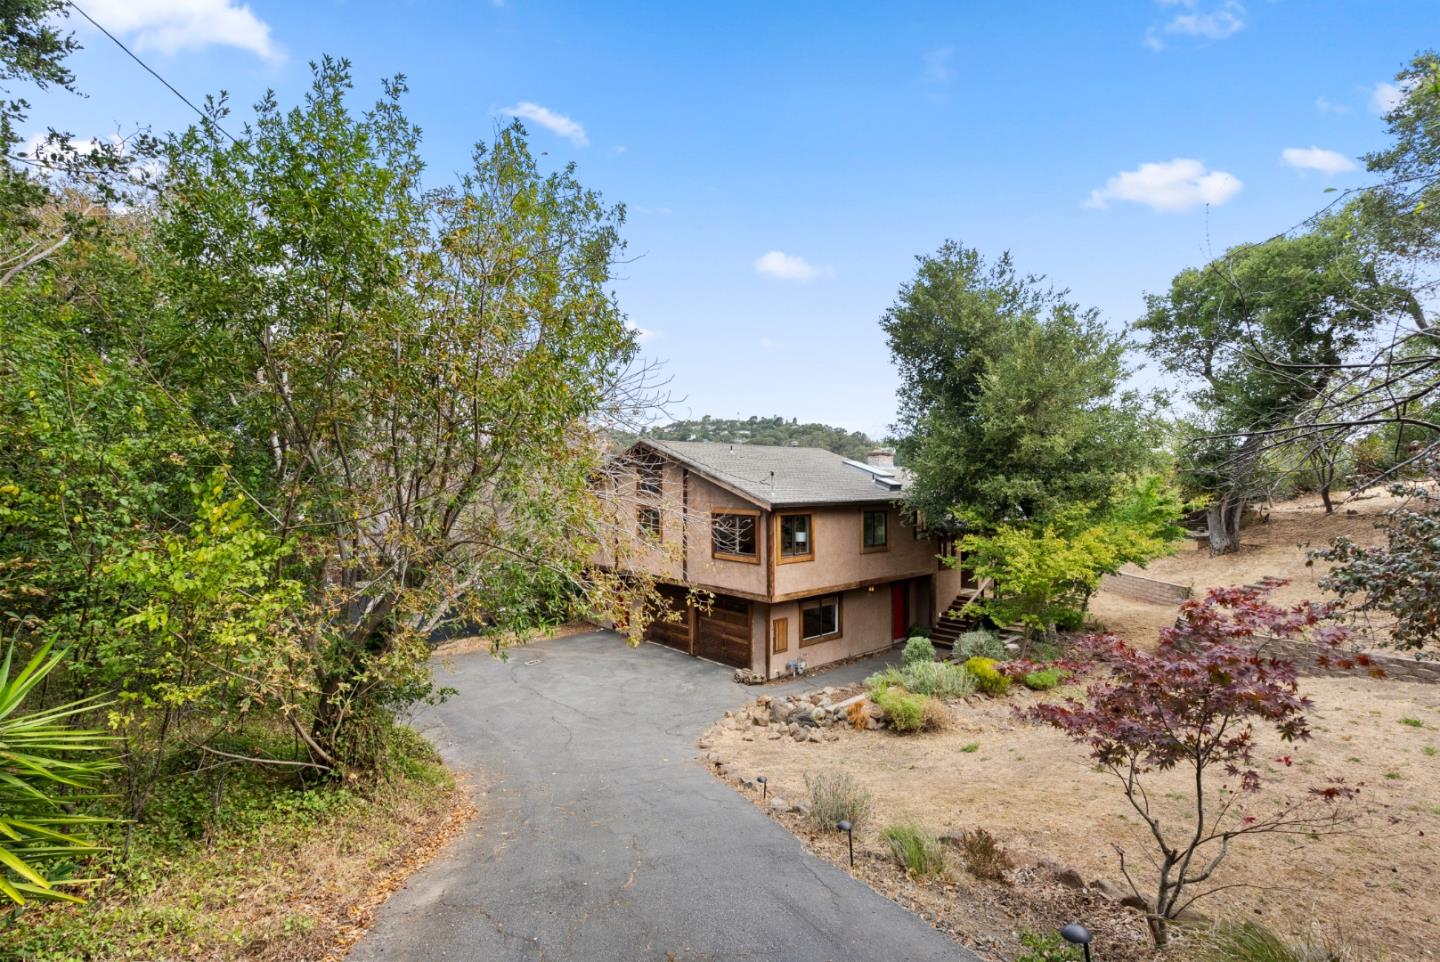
[[602, 837]]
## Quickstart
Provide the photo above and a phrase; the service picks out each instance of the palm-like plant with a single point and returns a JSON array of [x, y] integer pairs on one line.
[[40, 776]]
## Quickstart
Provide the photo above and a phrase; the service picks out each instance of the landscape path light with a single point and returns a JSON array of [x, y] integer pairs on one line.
[[849, 831], [764, 786], [1077, 934]]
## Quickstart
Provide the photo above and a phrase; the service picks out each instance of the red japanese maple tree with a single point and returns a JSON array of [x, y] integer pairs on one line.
[[1194, 703]]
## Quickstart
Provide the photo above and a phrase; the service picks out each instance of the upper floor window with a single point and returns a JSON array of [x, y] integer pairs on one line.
[[733, 535], [875, 531], [797, 541], [648, 475], [649, 520]]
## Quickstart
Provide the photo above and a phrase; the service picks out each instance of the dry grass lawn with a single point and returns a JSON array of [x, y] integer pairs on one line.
[[1276, 547], [1041, 795]]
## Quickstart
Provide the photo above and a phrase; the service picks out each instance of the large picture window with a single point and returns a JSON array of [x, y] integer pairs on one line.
[[875, 531], [733, 535], [797, 537], [819, 620]]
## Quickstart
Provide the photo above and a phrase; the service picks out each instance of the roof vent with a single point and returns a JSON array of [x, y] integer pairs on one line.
[[881, 458], [794, 443]]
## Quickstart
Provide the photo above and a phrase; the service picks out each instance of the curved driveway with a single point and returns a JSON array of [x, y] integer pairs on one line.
[[602, 838]]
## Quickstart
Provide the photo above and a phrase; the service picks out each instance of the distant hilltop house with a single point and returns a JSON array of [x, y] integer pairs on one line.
[[806, 553]]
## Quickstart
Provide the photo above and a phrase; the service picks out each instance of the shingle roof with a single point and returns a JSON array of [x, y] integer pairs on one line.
[[785, 476]]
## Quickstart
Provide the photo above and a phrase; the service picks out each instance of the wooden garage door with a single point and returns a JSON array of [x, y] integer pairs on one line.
[[723, 633], [675, 634]]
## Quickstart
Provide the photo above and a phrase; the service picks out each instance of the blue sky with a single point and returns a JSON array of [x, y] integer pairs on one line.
[[783, 163]]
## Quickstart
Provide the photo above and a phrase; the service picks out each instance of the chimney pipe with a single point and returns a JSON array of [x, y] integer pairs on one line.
[[881, 458]]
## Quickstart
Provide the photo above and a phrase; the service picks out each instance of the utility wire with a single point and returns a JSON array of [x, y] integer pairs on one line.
[[149, 69]]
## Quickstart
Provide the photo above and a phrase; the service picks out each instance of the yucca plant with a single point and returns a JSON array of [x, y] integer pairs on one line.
[[45, 767]]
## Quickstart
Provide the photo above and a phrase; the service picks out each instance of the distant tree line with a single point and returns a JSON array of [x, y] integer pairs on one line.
[[773, 430]]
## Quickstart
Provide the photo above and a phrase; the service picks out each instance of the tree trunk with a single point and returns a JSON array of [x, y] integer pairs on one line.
[[1325, 497], [1222, 520]]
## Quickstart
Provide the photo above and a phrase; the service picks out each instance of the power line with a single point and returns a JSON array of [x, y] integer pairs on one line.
[[149, 69]]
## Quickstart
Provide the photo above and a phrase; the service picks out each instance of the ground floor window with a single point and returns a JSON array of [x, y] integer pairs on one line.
[[819, 619]]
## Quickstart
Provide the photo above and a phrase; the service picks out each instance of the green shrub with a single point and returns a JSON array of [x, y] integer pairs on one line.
[[836, 797], [970, 747], [918, 631], [1045, 679], [881, 680], [1047, 947], [916, 848], [978, 644], [987, 678], [917, 649], [1069, 619], [938, 678], [906, 712]]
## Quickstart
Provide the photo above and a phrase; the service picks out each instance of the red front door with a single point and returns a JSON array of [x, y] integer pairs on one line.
[[899, 609]]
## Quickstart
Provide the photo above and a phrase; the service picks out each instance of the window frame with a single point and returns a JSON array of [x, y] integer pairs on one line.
[[755, 527], [818, 602], [884, 545], [780, 556], [649, 534], [649, 476]]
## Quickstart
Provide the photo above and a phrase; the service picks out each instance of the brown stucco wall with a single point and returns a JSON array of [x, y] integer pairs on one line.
[[865, 628], [947, 586], [838, 558]]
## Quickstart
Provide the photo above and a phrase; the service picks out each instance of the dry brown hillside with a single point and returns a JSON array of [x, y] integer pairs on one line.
[[1275, 547]]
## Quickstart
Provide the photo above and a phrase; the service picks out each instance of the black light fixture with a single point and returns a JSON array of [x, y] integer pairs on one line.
[[764, 786], [1077, 934], [849, 831]]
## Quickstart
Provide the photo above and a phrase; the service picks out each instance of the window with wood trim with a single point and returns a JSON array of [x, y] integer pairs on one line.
[[797, 537], [649, 521], [875, 530], [649, 475], [733, 535], [819, 620]]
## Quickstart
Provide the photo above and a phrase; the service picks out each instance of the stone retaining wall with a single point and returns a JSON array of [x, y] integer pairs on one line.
[[1145, 589], [1304, 655]]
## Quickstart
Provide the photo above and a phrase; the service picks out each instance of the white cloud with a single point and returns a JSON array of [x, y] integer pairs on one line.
[[1215, 23], [558, 124], [1173, 186], [170, 26], [1317, 158], [789, 267], [937, 64], [643, 335], [1327, 106], [770, 344], [1386, 97]]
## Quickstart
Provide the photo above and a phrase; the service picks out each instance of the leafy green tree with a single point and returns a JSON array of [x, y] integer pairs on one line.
[[1261, 332], [1045, 573], [1012, 405], [416, 377]]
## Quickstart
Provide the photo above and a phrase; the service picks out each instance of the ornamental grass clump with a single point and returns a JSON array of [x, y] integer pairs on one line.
[[916, 848], [981, 644], [904, 711], [939, 678], [836, 797]]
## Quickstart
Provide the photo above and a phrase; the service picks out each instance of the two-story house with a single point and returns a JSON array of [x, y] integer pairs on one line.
[[805, 552]]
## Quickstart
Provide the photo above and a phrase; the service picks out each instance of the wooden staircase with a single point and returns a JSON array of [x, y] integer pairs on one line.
[[952, 624]]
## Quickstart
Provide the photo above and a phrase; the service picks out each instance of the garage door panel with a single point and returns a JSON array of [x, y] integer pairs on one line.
[[724, 632], [676, 633]]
